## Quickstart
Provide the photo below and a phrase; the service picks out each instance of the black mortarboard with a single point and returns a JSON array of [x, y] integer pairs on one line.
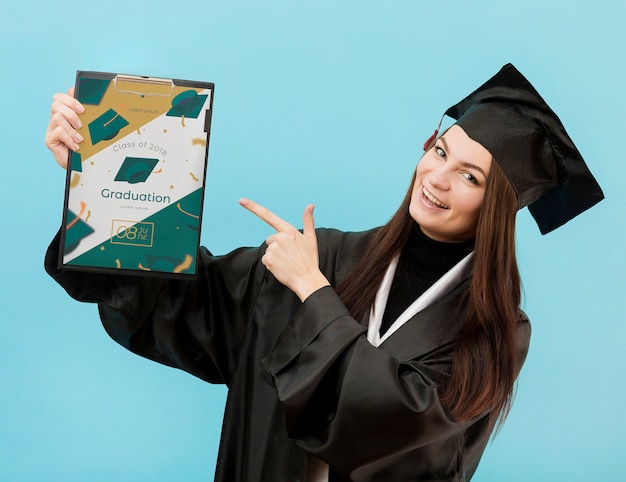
[[508, 117]]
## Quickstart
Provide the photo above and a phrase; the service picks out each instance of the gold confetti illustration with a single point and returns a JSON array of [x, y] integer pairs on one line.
[[184, 265], [75, 180], [83, 205], [185, 212]]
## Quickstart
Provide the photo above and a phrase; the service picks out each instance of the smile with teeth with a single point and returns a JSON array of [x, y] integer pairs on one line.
[[432, 199]]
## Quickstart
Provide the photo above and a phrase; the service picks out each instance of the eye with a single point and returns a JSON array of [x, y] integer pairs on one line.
[[440, 152], [470, 178]]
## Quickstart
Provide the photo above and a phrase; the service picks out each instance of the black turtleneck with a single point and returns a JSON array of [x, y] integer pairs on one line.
[[422, 262]]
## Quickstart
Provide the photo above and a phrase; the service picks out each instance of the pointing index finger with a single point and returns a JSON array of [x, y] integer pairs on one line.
[[266, 215]]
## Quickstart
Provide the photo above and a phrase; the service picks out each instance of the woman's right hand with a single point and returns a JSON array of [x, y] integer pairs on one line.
[[61, 135]]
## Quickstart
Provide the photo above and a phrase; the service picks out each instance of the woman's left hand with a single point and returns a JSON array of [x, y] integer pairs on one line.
[[291, 256]]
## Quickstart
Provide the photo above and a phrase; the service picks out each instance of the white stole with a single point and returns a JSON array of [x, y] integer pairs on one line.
[[441, 287]]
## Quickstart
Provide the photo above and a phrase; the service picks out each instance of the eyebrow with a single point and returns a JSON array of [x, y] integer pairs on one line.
[[468, 165]]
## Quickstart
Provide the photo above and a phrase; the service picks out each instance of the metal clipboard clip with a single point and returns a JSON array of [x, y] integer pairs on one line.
[[152, 86]]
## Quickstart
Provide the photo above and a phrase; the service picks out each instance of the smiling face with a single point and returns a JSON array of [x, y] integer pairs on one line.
[[449, 187]]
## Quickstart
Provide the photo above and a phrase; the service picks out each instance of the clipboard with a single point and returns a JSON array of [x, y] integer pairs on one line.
[[135, 189]]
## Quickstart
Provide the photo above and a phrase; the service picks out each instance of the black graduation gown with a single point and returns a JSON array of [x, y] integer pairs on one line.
[[302, 377]]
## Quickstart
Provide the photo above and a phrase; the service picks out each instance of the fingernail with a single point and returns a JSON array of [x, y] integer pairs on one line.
[[79, 108], [79, 124], [243, 202], [78, 137]]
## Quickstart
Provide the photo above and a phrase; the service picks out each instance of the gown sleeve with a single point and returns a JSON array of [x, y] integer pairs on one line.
[[350, 403], [195, 325]]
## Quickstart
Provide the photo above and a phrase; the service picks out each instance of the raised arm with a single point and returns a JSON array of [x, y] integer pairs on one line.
[[194, 325], [61, 134]]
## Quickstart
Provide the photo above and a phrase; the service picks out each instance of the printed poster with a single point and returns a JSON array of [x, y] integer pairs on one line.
[[135, 188]]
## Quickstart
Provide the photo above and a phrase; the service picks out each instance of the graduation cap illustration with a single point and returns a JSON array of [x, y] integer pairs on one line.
[[76, 163], [168, 264], [188, 103], [91, 91], [508, 117], [106, 126], [76, 230], [193, 227], [135, 169]]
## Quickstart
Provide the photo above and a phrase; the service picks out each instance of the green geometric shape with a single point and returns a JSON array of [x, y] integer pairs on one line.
[[175, 239], [76, 163], [188, 103], [166, 264], [75, 232], [106, 127], [135, 169], [91, 91]]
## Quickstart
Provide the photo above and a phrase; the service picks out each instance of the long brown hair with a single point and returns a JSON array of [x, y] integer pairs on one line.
[[484, 367]]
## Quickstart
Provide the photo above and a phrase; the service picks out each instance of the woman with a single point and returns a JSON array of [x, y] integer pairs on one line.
[[384, 355]]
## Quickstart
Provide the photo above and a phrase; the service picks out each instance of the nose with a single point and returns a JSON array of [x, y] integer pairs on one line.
[[440, 177]]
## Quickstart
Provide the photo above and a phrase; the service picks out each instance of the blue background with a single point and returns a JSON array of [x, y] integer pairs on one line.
[[326, 102]]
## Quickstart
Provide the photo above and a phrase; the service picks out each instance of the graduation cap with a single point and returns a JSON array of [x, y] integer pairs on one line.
[[106, 126], [91, 91], [76, 230], [169, 264], [188, 103], [76, 162], [135, 169], [508, 117]]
